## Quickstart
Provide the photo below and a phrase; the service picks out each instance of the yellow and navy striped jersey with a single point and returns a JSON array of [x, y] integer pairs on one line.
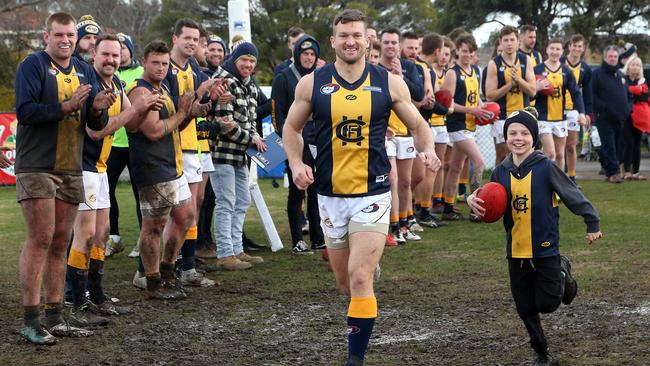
[[350, 122], [466, 94], [47, 140], [535, 57], [582, 73], [532, 216], [551, 108], [438, 119], [156, 161], [96, 152], [515, 99]]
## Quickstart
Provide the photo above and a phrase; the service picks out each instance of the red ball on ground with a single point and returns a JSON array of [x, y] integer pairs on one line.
[[495, 201]]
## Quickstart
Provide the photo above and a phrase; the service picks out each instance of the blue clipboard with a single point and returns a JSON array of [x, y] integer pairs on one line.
[[272, 157]]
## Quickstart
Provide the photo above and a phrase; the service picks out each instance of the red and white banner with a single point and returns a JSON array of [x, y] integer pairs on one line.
[[8, 126]]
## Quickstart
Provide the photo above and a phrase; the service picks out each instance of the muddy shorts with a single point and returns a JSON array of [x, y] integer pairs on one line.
[[158, 200], [342, 216], [65, 187]]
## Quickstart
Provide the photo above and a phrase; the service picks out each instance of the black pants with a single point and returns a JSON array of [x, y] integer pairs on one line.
[[205, 218], [610, 149], [117, 160], [631, 147], [537, 287], [294, 202]]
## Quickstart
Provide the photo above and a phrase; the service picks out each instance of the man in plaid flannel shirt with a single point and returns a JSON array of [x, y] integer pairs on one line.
[[230, 178]]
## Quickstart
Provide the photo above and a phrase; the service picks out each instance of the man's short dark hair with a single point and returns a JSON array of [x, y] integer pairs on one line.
[[185, 23], [347, 16], [431, 42], [455, 33], [390, 30], [577, 38], [376, 46], [61, 18], [156, 46], [410, 35], [467, 39], [294, 32], [203, 33], [556, 40], [507, 30], [527, 28], [105, 37]]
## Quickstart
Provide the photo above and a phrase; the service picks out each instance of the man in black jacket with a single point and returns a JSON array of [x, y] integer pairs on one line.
[[305, 53], [612, 108]]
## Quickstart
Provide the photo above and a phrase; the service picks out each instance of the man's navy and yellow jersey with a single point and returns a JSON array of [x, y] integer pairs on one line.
[[350, 122], [127, 75], [96, 152], [47, 140], [551, 108], [515, 99], [582, 73], [156, 161], [466, 94], [437, 119], [180, 80], [535, 57], [415, 85], [532, 216]]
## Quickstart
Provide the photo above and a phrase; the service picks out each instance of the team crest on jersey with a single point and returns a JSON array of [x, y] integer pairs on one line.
[[174, 71], [462, 77], [350, 130], [520, 204], [53, 71], [502, 69], [545, 73], [78, 74], [329, 89], [471, 98], [372, 88]]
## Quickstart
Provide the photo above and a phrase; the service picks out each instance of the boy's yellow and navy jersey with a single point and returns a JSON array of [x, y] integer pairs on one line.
[[437, 119], [532, 216], [156, 161], [535, 57], [180, 80], [350, 122], [582, 73], [466, 94], [551, 108], [96, 152], [47, 140], [416, 87], [515, 99]]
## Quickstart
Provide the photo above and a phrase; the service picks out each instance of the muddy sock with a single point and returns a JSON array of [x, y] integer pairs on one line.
[[189, 248], [361, 319], [53, 313], [166, 270], [77, 272], [153, 281], [31, 314], [95, 274]]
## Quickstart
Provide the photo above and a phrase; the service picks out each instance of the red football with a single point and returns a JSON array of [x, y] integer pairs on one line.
[[547, 91], [494, 109], [495, 201], [443, 96]]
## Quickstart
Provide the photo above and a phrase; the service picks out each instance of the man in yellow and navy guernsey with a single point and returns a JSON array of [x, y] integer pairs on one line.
[[351, 102], [582, 73], [185, 75], [510, 81], [86, 258], [551, 109], [157, 160], [57, 98], [540, 278]]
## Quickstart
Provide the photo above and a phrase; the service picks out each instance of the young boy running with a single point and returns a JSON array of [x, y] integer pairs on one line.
[[539, 276]]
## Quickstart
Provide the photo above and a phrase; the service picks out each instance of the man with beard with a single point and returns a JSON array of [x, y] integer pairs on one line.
[[351, 102], [305, 54], [56, 99], [216, 53], [87, 32], [86, 258], [129, 70]]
